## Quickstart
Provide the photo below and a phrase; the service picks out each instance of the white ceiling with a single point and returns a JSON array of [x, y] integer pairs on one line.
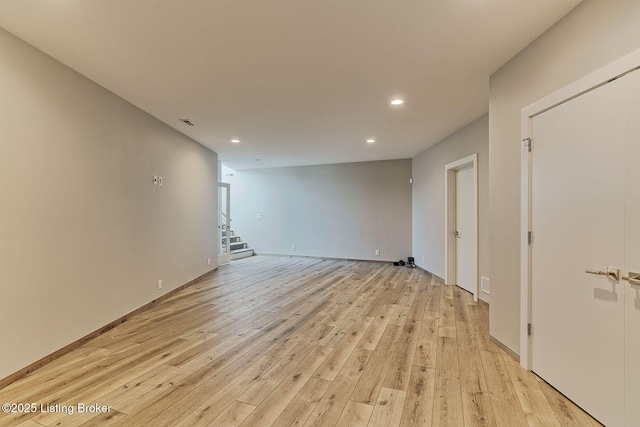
[[297, 81]]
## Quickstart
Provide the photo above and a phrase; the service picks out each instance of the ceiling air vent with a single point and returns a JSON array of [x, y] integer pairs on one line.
[[187, 122]]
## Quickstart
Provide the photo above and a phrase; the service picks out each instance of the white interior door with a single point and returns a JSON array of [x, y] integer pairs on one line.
[[578, 221], [632, 253], [466, 233]]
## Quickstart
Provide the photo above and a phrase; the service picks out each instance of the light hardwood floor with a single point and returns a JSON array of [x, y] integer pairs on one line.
[[298, 341]]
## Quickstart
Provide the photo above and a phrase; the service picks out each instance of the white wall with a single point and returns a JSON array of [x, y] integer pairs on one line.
[[428, 215], [594, 34], [84, 234], [343, 210]]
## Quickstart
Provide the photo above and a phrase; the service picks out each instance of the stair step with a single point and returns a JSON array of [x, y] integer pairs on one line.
[[241, 253], [237, 245], [238, 251]]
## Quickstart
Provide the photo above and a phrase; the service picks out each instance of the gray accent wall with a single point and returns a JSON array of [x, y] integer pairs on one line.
[[346, 210], [84, 234], [428, 211], [594, 34]]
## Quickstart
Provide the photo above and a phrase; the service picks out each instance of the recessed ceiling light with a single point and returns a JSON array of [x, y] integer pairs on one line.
[[235, 141], [397, 101], [370, 141]]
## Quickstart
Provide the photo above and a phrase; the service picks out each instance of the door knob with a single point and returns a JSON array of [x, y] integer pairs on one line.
[[634, 278], [612, 273]]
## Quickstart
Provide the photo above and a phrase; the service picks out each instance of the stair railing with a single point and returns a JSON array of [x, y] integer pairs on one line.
[[225, 230]]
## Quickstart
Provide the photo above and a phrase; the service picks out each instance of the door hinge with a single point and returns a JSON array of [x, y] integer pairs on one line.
[[527, 143], [530, 237], [529, 329]]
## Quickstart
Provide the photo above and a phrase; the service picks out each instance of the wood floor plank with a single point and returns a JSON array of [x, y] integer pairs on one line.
[[201, 369], [471, 372], [477, 410], [401, 360], [336, 360], [221, 399], [329, 408], [388, 409], [280, 397], [369, 385], [378, 325], [270, 380], [427, 346], [447, 318], [417, 308], [531, 397], [355, 414], [343, 328], [434, 291], [234, 415], [105, 419], [506, 406], [303, 404], [28, 423], [163, 404], [399, 317], [461, 305], [418, 404], [292, 341], [149, 385], [480, 319], [447, 406], [567, 413]]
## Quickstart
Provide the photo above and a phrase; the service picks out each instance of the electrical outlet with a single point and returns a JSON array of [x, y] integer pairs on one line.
[[160, 284], [259, 216], [377, 252], [208, 261], [422, 258], [155, 179], [293, 248], [484, 285], [159, 180]]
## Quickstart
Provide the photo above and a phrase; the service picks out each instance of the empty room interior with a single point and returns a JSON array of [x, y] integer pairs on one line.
[[341, 213]]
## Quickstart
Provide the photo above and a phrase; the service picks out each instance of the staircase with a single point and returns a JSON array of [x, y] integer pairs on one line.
[[237, 248]]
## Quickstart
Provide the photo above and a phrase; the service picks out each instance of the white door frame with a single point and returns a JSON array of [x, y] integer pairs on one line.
[[450, 170], [592, 81], [224, 257]]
